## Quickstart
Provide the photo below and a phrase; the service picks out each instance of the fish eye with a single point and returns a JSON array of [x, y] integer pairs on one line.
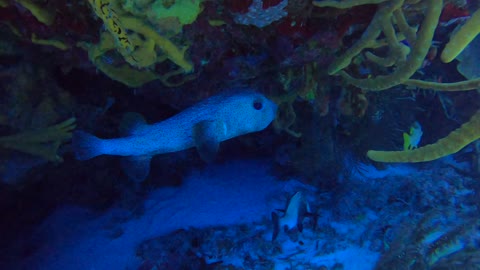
[[257, 105]]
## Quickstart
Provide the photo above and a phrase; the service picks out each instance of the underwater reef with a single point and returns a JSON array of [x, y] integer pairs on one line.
[[369, 108]]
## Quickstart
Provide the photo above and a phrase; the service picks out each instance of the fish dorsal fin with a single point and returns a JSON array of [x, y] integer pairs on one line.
[[137, 168], [132, 123], [206, 135]]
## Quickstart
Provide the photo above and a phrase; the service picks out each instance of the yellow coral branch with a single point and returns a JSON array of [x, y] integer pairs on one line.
[[43, 143], [368, 38], [449, 87], [43, 15], [454, 142], [415, 59], [462, 38], [105, 11], [409, 32], [171, 51], [50, 42]]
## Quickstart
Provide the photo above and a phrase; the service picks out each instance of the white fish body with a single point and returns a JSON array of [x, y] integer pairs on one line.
[[297, 209], [292, 213], [204, 126]]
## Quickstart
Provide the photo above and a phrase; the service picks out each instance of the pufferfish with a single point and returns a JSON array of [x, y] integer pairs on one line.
[[204, 126]]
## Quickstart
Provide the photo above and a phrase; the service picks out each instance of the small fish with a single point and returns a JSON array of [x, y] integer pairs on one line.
[[413, 137], [297, 209], [203, 126]]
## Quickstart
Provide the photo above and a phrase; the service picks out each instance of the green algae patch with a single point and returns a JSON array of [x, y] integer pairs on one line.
[[186, 11]]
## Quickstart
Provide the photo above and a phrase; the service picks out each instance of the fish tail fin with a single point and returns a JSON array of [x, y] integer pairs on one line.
[[276, 225], [86, 145]]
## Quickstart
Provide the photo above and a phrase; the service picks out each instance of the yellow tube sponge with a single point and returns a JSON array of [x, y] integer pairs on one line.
[[43, 142], [451, 87], [136, 53], [43, 15], [138, 42], [144, 54], [462, 38], [171, 51], [454, 142], [105, 10], [50, 42], [414, 60], [123, 73]]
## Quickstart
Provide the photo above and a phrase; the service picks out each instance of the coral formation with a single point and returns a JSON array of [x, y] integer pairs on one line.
[[136, 39], [435, 241], [407, 61], [145, 41], [43, 142], [460, 39], [140, 45], [50, 42], [98, 59], [454, 142]]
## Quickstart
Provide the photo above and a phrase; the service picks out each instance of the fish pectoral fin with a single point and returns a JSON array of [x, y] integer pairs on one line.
[[208, 150], [137, 168], [131, 123], [206, 135]]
